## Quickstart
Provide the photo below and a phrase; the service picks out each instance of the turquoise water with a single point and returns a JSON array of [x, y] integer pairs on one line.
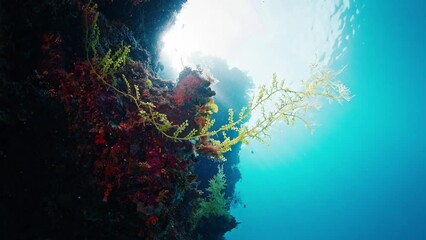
[[362, 175]]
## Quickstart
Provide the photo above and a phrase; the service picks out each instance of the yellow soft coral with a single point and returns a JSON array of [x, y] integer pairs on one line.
[[289, 104]]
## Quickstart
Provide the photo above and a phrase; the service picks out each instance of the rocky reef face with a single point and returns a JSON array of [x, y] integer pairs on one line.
[[82, 155]]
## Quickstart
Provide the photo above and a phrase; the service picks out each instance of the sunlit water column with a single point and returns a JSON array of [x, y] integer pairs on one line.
[[262, 37]]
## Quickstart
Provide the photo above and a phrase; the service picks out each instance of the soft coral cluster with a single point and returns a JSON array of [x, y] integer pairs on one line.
[[192, 88], [133, 164], [138, 174]]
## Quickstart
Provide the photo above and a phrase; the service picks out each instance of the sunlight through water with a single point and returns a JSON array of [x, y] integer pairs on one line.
[[261, 37]]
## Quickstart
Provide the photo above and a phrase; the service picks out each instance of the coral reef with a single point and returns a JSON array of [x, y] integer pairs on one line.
[[74, 116], [211, 218], [81, 160], [95, 146]]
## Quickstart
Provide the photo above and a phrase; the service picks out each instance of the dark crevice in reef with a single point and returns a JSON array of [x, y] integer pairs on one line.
[[77, 161], [146, 20]]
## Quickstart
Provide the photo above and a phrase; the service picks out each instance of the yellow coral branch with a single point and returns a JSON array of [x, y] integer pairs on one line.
[[288, 103]]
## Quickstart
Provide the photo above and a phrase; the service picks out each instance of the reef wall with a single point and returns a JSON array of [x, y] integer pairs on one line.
[[84, 147]]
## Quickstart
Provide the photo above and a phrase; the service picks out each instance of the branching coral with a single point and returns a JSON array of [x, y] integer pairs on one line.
[[289, 104], [138, 132], [216, 203]]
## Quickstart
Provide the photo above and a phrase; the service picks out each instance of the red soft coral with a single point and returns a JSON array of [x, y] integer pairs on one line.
[[186, 88]]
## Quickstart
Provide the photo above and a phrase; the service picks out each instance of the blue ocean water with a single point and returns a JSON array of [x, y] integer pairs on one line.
[[362, 175]]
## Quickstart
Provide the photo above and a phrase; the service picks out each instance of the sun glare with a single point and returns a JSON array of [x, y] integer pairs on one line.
[[261, 37], [176, 47], [208, 28]]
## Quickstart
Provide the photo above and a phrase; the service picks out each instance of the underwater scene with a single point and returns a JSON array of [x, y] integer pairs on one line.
[[213, 119]]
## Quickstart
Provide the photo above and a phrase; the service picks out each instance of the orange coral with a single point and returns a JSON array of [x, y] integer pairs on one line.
[[200, 121], [162, 195], [152, 220]]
